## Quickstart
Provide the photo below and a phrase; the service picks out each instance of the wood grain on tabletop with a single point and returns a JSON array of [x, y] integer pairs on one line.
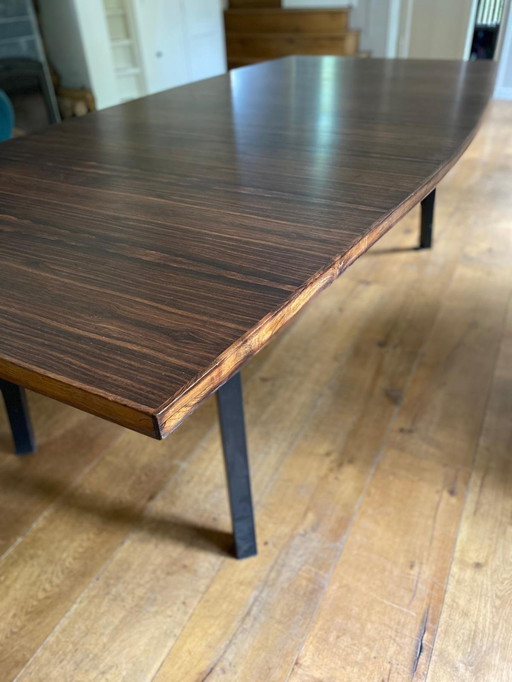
[[149, 249]]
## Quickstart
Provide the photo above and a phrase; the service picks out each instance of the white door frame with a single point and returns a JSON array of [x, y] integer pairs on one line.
[[503, 90]]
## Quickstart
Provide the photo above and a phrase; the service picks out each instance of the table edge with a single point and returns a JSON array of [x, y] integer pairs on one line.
[[171, 413]]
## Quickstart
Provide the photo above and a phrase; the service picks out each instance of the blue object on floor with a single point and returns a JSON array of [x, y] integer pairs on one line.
[[6, 117]]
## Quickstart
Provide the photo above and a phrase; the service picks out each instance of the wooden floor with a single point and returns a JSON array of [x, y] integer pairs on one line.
[[380, 427]]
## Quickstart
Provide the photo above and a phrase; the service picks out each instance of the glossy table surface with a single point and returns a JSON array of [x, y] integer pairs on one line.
[[148, 250]]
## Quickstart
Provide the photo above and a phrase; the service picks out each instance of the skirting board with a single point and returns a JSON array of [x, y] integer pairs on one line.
[[503, 93]]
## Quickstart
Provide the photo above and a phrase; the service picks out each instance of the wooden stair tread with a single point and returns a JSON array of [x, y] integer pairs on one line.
[[286, 10], [281, 45], [253, 4], [299, 20], [261, 33], [293, 35]]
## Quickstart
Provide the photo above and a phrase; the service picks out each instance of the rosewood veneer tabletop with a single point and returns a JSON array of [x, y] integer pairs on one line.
[[149, 249]]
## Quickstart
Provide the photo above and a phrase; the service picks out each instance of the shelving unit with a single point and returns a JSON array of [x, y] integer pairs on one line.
[[125, 53], [124, 49]]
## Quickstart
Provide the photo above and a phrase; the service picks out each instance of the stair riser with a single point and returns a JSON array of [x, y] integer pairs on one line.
[[287, 21], [250, 4], [278, 46]]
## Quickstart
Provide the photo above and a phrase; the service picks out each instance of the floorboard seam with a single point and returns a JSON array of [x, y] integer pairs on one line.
[[371, 473], [106, 564], [446, 585]]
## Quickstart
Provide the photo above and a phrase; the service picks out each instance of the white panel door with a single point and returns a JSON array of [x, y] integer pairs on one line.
[[204, 35], [162, 43]]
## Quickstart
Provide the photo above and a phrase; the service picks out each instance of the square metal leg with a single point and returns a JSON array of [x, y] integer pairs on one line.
[[19, 417], [427, 220], [231, 417]]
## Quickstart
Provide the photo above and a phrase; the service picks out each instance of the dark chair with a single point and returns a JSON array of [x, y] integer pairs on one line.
[[6, 117]]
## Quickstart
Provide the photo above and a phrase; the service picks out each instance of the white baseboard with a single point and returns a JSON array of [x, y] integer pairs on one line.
[[502, 93]]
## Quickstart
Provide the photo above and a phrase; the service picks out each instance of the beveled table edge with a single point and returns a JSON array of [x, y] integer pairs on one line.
[[171, 413], [101, 404]]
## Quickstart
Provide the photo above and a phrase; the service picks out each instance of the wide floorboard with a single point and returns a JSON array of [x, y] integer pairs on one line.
[[380, 430]]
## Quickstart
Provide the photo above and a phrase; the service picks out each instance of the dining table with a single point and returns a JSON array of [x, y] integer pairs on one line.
[[149, 250]]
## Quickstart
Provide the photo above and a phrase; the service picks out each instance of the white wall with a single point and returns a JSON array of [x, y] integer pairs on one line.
[[503, 88], [81, 58], [436, 29], [96, 46], [60, 27]]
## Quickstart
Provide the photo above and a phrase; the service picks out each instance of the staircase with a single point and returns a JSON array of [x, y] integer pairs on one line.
[[257, 30]]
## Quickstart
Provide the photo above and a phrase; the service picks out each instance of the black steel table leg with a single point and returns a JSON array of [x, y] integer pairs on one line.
[[427, 220], [231, 417], [19, 417]]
